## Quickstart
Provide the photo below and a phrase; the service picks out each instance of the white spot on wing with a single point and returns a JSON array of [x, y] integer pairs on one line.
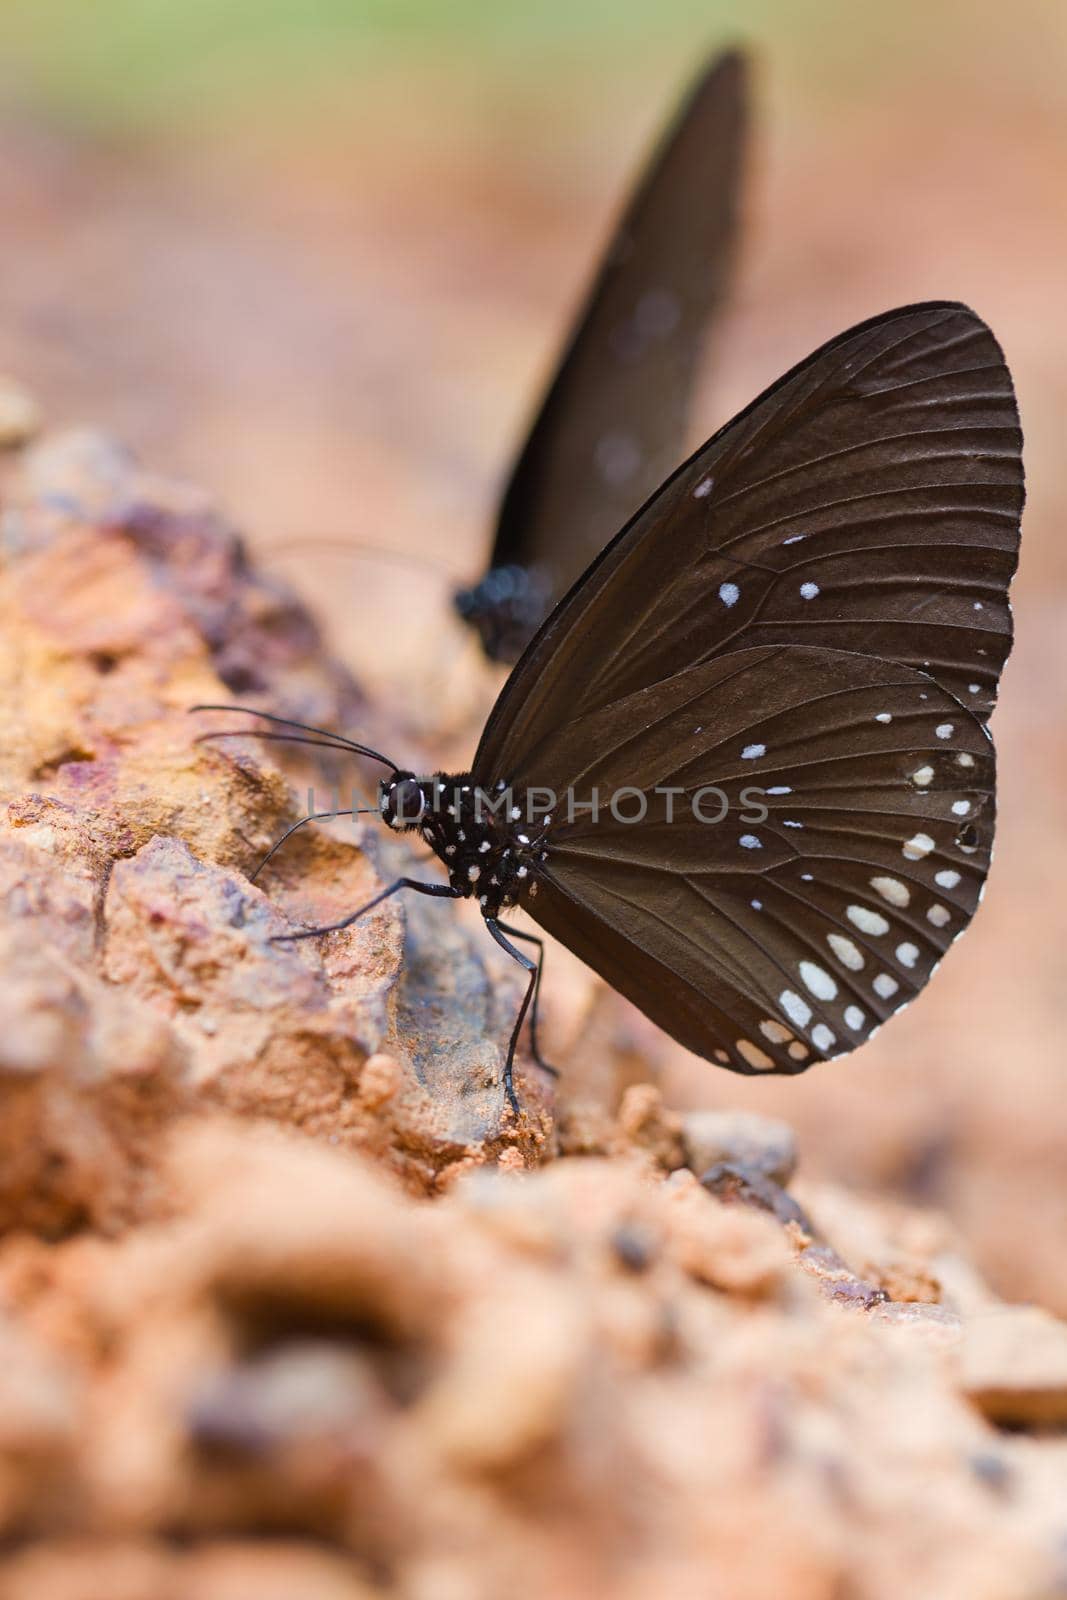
[[617, 456], [752, 752], [854, 1018], [867, 921], [885, 986], [704, 488], [917, 847], [892, 890], [923, 777], [657, 313], [818, 981], [845, 951], [797, 1010], [729, 594], [823, 1037], [884, 716], [944, 730], [808, 591], [748, 841], [948, 878], [907, 954], [753, 1054], [939, 915], [960, 808], [776, 1032]]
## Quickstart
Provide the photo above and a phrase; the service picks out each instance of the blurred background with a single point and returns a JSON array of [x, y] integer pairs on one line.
[[318, 255]]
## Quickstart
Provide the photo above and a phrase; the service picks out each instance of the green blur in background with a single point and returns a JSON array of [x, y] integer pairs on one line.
[[122, 61]]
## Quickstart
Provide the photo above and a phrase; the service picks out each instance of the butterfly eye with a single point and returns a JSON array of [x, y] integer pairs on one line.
[[403, 803]]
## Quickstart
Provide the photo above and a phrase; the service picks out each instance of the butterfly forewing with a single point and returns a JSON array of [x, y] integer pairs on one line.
[[613, 423], [869, 501]]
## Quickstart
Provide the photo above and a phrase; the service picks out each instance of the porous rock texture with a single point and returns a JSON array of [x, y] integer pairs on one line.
[[289, 1304]]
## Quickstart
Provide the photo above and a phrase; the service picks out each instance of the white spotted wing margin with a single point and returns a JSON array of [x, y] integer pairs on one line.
[[767, 945]]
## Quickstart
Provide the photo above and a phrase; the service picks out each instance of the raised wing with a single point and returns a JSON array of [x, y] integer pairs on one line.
[[868, 502], [613, 423], [764, 943]]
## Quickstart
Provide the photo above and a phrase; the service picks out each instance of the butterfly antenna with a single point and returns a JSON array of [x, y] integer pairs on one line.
[[316, 816], [370, 552], [324, 738]]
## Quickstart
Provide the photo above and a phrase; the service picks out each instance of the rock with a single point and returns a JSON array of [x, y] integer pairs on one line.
[[87, 1081], [645, 1124], [741, 1139], [1013, 1366], [289, 1304], [130, 845]]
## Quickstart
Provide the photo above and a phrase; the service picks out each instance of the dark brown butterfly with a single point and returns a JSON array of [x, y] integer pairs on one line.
[[612, 424], [807, 622]]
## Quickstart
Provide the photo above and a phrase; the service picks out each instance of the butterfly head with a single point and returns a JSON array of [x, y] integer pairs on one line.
[[403, 801]]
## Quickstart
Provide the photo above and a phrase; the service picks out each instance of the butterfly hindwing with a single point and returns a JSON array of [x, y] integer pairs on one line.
[[765, 943]]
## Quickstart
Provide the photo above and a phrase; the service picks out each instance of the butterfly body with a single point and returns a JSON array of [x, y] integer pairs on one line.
[[491, 843]]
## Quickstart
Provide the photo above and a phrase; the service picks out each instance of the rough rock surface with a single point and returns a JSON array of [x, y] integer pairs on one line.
[[289, 1305]]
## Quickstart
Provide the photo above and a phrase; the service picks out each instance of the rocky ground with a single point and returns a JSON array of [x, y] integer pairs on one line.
[[289, 1305], [339, 325]]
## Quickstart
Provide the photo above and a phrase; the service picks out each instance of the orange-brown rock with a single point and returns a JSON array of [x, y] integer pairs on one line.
[[291, 1305]]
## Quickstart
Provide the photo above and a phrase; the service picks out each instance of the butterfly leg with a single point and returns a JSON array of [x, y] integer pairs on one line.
[[531, 968], [443, 891], [535, 1009]]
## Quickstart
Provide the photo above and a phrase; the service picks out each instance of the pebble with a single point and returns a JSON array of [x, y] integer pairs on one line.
[[1014, 1366], [742, 1139]]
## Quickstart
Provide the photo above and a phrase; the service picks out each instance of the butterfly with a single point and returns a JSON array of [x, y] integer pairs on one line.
[[743, 769], [612, 423]]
